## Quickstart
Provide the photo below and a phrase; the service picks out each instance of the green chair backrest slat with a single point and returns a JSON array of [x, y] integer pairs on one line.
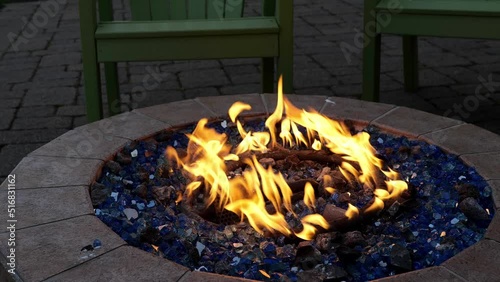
[[158, 9], [144, 10], [197, 9], [141, 10]]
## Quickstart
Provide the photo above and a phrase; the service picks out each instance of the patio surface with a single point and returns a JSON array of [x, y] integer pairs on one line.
[[41, 80], [49, 235]]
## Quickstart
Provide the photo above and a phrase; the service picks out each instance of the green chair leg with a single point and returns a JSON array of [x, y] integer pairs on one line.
[[93, 97], [410, 54], [91, 71], [112, 88], [267, 65], [371, 68]]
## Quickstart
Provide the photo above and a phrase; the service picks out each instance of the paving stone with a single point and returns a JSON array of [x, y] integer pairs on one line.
[[220, 105], [365, 112], [477, 263], [487, 164], [29, 136], [436, 92], [333, 29], [44, 172], [305, 62], [493, 231], [139, 266], [45, 205], [16, 76], [413, 123], [241, 89], [338, 59], [41, 252], [322, 91], [428, 77], [460, 74], [130, 125], [79, 121], [188, 111], [312, 78], [495, 186], [18, 64], [156, 98], [71, 111], [90, 142], [198, 276], [12, 154], [201, 92], [392, 64], [190, 65], [41, 122], [7, 115], [443, 59], [436, 273], [303, 29], [350, 79], [51, 96], [410, 100], [464, 139], [203, 78], [36, 111], [57, 72], [34, 44], [351, 91], [61, 59], [468, 107], [10, 103], [314, 45], [56, 82]]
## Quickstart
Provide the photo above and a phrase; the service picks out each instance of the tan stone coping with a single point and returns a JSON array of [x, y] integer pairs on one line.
[[55, 217]]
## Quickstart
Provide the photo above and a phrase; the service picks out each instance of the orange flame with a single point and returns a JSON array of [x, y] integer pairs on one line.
[[248, 194]]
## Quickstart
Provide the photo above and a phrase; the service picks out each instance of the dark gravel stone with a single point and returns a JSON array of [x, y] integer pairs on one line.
[[471, 208], [334, 273], [324, 242], [141, 191], [151, 236], [466, 190], [400, 257], [114, 167], [354, 238], [99, 193], [123, 159], [307, 256]]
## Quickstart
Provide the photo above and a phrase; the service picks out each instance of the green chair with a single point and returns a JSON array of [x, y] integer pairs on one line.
[[410, 18], [181, 30]]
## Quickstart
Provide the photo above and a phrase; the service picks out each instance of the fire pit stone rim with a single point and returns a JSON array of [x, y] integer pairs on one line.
[[82, 171]]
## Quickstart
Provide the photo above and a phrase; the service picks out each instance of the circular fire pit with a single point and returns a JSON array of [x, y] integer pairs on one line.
[[55, 219]]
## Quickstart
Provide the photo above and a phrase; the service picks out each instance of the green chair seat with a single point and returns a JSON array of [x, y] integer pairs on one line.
[[444, 7], [181, 28]]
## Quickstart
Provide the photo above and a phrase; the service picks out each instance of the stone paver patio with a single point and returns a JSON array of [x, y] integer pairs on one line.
[[56, 216], [41, 81]]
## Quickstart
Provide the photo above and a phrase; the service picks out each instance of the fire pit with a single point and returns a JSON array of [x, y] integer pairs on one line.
[[77, 164]]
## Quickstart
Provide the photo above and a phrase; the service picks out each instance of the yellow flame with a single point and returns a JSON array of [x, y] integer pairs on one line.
[[352, 212], [309, 199], [251, 194], [330, 190], [264, 273]]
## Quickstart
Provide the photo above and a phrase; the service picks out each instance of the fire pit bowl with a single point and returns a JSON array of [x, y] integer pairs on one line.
[[54, 217]]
